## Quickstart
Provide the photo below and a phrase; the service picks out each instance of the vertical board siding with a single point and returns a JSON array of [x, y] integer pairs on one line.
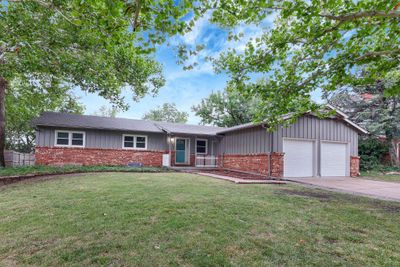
[[313, 128], [102, 139], [247, 141], [256, 139]]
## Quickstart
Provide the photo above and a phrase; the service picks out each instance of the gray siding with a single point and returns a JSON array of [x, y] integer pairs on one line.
[[246, 141], [309, 127], [102, 139], [257, 139]]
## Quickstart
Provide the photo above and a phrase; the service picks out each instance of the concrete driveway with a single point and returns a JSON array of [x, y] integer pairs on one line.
[[357, 186]]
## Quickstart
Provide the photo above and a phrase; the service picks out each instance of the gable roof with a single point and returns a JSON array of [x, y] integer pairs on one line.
[[68, 120], [339, 114]]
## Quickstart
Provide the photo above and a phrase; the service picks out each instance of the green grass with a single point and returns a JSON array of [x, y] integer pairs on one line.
[[378, 175], [170, 219], [39, 169]]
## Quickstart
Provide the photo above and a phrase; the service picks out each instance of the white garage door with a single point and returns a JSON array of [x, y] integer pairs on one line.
[[333, 159], [298, 158]]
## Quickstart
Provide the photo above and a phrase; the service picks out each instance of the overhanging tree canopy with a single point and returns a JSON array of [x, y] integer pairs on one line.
[[93, 45], [312, 45]]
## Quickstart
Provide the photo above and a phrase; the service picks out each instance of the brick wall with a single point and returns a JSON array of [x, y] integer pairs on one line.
[[255, 163], [95, 156], [354, 166], [277, 165]]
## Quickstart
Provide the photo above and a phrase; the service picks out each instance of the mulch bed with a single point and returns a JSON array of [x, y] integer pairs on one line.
[[8, 180], [236, 174]]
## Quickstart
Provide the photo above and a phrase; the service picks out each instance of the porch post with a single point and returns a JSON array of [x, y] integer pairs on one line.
[[170, 149]]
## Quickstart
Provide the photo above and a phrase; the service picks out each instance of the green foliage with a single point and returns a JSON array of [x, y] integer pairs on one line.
[[312, 45], [38, 169], [371, 151], [26, 101], [369, 107], [168, 112], [87, 44], [227, 108]]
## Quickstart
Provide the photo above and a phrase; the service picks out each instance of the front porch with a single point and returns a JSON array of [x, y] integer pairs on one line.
[[187, 152]]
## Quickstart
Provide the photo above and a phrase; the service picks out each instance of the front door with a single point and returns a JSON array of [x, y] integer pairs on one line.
[[180, 151]]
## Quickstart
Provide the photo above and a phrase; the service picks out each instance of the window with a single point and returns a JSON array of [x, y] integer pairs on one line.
[[134, 141], [141, 142], [70, 138], [201, 146], [63, 138], [129, 141], [77, 139]]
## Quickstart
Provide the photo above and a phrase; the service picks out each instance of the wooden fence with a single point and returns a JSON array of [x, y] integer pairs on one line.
[[14, 158]]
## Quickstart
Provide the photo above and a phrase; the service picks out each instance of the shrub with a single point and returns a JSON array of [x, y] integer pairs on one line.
[[371, 151]]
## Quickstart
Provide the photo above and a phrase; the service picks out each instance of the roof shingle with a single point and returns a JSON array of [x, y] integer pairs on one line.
[[68, 120]]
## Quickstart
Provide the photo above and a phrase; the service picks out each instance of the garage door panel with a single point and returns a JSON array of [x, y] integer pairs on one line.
[[298, 158], [333, 159]]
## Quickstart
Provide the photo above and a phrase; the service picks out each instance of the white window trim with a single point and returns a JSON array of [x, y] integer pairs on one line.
[[134, 142], [202, 139], [70, 138]]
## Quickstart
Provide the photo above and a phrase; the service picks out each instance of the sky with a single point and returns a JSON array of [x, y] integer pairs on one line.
[[185, 88]]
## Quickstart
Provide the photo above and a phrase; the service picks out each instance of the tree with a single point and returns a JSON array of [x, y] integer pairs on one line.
[[312, 45], [226, 109], [106, 111], [87, 44], [369, 107], [167, 112], [25, 102]]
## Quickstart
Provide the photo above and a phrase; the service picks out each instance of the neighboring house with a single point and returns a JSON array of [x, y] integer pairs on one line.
[[309, 147]]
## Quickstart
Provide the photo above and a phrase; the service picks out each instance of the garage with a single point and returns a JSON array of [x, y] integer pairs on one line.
[[334, 159], [299, 158]]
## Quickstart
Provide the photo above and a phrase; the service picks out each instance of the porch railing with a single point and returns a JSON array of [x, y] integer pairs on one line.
[[206, 161]]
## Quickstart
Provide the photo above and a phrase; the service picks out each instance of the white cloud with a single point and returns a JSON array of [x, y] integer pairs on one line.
[[199, 27]]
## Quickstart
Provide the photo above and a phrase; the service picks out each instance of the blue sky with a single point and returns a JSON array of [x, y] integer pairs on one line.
[[185, 88]]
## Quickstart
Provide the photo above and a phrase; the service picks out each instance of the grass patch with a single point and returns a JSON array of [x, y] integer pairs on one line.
[[380, 175], [39, 169], [161, 219]]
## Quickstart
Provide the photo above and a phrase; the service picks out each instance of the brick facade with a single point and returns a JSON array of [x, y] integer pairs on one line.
[[354, 166], [277, 165], [95, 156], [255, 163]]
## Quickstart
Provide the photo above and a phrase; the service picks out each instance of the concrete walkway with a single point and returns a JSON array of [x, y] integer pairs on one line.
[[357, 186]]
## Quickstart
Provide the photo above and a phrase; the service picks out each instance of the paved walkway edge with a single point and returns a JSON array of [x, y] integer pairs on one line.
[[342, 190], [240, 181]]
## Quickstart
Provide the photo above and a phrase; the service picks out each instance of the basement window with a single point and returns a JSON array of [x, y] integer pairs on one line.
[[70, 139]]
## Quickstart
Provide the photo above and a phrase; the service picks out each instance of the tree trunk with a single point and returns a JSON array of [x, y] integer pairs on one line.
[[393, 153], [3, 88]]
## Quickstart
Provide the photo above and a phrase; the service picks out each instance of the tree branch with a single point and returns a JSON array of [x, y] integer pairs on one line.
[[363, 14], [378, 54], [136, 18]]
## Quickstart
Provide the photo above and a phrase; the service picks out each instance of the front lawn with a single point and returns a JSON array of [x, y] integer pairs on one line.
[[159, 219], [380, 175]]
